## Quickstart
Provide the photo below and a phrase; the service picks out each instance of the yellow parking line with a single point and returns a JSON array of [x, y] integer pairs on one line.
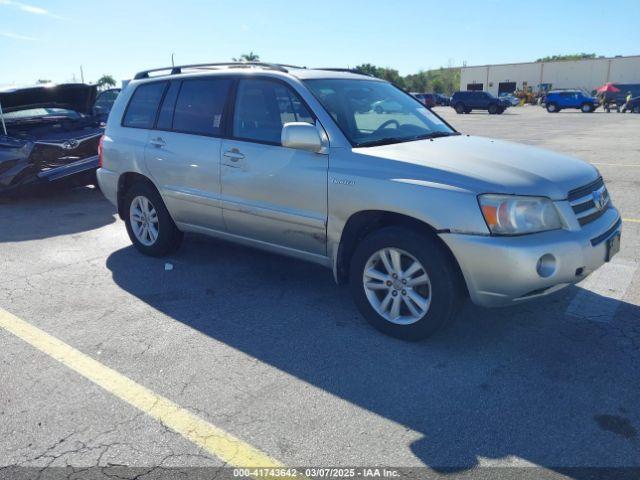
[[213, 439], [632, 220], [617, 164]]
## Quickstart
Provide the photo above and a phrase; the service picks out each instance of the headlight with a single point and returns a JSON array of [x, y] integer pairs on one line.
[[516, 215]]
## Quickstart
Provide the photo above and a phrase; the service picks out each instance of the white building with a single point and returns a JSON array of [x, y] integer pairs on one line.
[[581, 74]]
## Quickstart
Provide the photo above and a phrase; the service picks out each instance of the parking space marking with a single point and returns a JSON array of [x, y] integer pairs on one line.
[[632, 220], [602, 292], [616, 164], [212, 439]]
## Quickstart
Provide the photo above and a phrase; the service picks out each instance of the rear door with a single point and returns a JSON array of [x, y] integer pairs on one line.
[[183, 151], [272, 193]]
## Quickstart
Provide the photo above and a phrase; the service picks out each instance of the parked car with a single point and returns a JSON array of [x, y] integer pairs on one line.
[[51, 135], [556, 101], [104, 102], [386, 106], [465, 102], [427, 99], [443, 100], [408, 212], [511, 98]]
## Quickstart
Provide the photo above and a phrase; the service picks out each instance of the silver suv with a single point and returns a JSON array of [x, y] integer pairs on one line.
[[410, 213]]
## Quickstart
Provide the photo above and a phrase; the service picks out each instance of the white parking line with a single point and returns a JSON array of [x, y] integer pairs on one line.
[[601, 293]]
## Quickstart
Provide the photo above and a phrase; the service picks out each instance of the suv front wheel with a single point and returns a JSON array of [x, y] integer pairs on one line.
[[404, 284], [552, 108], [587, 108], [459, 108], [149, 225]]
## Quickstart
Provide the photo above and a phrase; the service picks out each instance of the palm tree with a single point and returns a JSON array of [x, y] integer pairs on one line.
[[248, 57], [105, 81]]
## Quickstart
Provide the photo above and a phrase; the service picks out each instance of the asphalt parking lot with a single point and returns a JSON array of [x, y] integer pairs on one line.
[[271, 357]]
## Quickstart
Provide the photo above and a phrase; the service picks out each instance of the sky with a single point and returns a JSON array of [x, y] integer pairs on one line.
[[51, 39]]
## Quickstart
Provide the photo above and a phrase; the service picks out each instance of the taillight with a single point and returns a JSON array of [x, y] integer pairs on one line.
[[100, 151]]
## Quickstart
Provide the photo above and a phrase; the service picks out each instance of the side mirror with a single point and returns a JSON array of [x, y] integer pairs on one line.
[[301, 136]]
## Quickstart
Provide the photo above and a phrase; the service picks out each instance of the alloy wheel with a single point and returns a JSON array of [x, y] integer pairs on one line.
[[397, 286], [144, 220]]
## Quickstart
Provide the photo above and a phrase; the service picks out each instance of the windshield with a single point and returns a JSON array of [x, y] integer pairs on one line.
[[371, 112], [41, 113]]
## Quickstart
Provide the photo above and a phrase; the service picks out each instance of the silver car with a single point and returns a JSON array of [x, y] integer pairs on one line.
[[413, 215]]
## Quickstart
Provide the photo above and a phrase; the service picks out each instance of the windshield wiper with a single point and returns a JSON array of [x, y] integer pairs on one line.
[[390, 140]]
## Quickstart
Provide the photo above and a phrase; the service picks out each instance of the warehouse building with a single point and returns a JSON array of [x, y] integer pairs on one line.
[[586, 74]]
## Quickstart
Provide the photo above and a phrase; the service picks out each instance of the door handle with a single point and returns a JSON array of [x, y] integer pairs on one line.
[[157, 142], [234, 154]]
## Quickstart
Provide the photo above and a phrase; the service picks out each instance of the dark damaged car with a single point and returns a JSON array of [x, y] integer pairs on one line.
[[49, 134]]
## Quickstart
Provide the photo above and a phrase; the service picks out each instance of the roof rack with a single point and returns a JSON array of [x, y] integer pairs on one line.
[[176, 70], [346, 70]]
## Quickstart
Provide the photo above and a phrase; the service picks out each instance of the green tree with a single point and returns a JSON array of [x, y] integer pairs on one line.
[[388, 74], [106, 81], [572, 56], [247, 57]]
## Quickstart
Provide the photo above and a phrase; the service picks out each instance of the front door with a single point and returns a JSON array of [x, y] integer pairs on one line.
[[271, 193]]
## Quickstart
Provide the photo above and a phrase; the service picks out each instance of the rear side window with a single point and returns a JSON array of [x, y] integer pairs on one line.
[[143, 106], [263, 107], [200, 106]]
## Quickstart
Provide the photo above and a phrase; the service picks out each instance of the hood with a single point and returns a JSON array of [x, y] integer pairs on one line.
[[484, 165], [73, 96]]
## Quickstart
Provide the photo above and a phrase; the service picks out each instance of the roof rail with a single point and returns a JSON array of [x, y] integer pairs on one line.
[[176, 70], [346, 70]]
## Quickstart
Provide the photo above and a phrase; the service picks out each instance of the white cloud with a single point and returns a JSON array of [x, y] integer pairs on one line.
[[15, 36], [32, 9]]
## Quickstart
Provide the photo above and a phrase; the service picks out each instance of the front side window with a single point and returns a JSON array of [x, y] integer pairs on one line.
[[263, 107], [200, 106], [142, 109], [371, 112]]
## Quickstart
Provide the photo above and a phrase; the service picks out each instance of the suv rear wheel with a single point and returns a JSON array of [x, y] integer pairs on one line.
[[404, 284], [552, 108], [493, 109], [149, 225], [459, 108]]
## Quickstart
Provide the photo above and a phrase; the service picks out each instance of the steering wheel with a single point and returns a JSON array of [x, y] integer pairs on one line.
[[386, 124]]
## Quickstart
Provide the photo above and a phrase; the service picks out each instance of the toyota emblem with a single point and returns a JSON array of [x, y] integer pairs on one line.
[[600, 198], [70, 144]]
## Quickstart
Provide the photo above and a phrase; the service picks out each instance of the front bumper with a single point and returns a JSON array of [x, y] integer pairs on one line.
[[74, 168], [503, 270]]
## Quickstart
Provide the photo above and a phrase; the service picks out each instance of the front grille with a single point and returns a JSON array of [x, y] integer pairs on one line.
[[583, 203], [577, 193], [52, 155]]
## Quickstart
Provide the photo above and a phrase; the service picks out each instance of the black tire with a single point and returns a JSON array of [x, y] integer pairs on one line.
[[501, 111], [586, 108], [552, 108], [493, 109], [446, 291], [467, 110], [459, 108], [169, 237]]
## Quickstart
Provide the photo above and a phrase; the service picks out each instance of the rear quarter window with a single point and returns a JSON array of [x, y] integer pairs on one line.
[[143, 106]]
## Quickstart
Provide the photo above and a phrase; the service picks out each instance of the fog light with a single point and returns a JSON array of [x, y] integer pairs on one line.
[[546, 265]]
